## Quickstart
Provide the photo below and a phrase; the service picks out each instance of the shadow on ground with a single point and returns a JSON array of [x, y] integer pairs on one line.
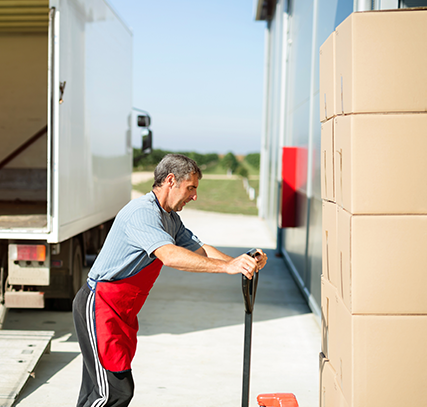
[[60, 322], [50, 365], [182, 302]]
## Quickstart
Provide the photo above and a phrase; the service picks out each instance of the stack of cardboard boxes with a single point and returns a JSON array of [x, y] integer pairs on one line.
[[373, 104]]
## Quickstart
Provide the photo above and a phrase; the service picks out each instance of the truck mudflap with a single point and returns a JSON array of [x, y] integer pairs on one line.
[[24, 299]]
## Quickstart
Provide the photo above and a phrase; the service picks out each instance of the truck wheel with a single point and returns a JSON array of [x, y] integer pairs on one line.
[[77, 267], [3, 275]]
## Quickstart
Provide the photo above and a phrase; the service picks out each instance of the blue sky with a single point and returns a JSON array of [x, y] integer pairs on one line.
[[198, 70]]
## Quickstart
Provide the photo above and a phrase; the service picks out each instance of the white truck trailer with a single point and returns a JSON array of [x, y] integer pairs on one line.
[[65, 142]]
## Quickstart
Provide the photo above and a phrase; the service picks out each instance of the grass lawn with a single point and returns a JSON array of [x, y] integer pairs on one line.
[[225, 196], [214, 169]]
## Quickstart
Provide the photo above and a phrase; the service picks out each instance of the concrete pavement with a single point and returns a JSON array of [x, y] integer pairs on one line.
[[190, 349]]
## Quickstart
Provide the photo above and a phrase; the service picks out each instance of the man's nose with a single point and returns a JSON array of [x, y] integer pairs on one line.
[[194, 197]]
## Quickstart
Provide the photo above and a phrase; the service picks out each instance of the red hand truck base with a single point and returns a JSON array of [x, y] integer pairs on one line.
[[277, 400]]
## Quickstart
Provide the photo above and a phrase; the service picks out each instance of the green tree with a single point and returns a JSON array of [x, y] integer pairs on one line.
[[229, 162], [150, 160], [242, 171], [147, 161], [253, 159]]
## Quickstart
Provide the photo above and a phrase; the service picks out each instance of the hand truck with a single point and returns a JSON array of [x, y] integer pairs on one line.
[[249, 288]]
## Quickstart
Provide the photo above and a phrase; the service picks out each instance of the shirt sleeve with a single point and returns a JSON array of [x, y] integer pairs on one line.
[[145, 231], [186, 238]]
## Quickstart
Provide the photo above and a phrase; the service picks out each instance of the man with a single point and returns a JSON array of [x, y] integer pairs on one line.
[[146, 234]]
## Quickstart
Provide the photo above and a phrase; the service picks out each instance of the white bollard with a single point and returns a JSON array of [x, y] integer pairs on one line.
[[251, 193]]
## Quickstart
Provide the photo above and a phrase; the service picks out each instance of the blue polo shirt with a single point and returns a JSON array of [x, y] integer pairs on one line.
[[140, 228]]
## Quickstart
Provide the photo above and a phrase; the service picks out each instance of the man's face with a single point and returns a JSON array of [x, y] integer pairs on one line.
[[183, 193]]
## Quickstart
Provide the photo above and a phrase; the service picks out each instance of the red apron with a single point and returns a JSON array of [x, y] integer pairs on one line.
[[117, 304]]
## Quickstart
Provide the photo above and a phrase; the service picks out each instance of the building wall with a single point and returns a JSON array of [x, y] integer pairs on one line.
[[291, 118]]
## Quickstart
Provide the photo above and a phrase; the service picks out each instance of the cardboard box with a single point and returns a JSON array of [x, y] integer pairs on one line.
[[382, 263], [328, 308], [327, 161], [340, 400], [328, 386], [380, 163], [345, 288], [383, 359], [327, 79], [329, 242], [380, 60]]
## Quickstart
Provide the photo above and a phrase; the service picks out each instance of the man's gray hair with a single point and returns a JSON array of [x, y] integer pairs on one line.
[[177, 164]]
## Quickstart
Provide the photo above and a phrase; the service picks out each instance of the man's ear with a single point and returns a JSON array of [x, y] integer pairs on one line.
[[171, 180]]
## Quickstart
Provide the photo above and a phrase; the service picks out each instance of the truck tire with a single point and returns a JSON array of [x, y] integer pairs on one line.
[[3, 275], [76, 267]]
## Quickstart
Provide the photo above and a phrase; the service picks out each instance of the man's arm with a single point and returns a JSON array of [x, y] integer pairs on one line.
[[213, 253], [186, 260]]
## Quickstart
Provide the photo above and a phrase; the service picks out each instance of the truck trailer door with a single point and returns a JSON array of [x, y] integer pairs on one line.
[[52, 114]]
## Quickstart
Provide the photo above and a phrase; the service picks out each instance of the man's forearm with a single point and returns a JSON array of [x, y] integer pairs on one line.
[[214, 253], [201, 262], [186, 260]]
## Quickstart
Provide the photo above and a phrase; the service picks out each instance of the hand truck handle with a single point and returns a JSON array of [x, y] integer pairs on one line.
[[249, 287]]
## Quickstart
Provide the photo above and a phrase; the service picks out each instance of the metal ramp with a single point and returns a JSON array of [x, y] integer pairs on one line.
[[20, 351]]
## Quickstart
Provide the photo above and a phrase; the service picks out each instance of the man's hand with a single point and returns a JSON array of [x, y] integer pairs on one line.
[[261, 259], [248, 265], [243, 264]]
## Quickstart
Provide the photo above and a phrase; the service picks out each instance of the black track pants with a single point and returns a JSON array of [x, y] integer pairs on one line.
[[100, 387]]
